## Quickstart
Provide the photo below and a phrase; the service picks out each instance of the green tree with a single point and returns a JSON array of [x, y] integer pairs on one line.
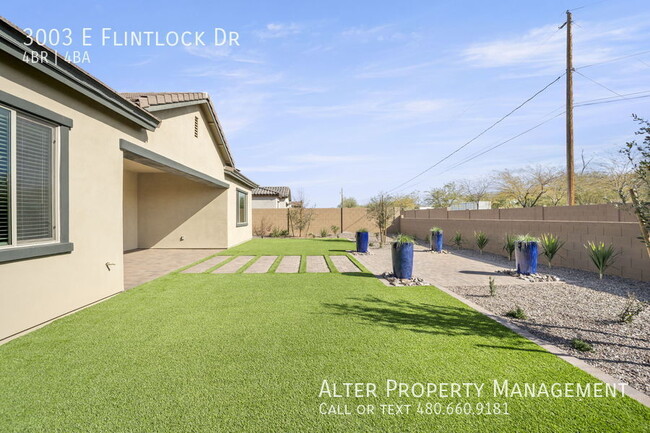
[[406, 201], [639, 192], [381, 209], [443, 197], [348, 202]]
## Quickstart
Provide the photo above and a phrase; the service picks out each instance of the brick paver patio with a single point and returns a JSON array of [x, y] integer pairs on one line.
[[445, 270], [141, 266]]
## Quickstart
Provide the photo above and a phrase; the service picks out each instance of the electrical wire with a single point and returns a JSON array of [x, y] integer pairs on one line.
[[480, 134], [599, 84], [616, 59], [582, 104]]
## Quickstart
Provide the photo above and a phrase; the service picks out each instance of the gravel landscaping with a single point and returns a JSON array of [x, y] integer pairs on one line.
[[579, 306]]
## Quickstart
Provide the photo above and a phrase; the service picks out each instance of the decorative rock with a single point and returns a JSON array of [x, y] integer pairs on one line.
[[533, 278], [393, 281]]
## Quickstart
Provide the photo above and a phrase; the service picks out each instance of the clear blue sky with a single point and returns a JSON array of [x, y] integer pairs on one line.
[[362, 95]]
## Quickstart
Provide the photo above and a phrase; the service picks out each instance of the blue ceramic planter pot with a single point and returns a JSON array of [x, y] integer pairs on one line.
[[526, 257], [362, 242], [436, 241], [402, 255]]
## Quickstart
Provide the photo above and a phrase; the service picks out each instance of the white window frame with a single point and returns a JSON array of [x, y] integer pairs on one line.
[[56, 162]]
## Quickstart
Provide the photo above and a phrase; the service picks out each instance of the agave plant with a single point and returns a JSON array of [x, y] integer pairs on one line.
[[458, 240], [481, 240], [602, 255], [403, 239], [509, 245], [551, 244]]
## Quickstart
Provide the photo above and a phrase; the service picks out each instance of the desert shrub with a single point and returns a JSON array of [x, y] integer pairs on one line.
[[335, 230], [458, 240], [481, 240], [517, 313], [324, 232], [551, 244], [509, 245], [633, 307], [263, 228], [581, 345], [603, 256], [493, 286]]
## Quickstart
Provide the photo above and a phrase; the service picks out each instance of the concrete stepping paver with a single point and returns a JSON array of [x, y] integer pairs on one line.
[[204, 266], [289, 265], [344, 264], [262, 265], [233, 266], [317, 264]]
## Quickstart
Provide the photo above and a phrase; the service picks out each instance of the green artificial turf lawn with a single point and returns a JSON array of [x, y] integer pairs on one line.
[[241, 352]]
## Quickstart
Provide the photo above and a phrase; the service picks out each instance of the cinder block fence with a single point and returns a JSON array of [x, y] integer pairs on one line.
[[574, 224], [350, 219]]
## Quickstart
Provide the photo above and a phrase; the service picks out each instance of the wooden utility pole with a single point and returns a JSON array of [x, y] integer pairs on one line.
[[570, 170]]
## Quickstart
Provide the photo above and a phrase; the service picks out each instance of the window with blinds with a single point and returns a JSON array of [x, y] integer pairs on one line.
[[5, 183], [34, 180]]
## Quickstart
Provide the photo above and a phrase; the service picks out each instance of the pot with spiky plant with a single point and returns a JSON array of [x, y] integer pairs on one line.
[[402, 255], [526, 247], [362, 240], [436, 239]]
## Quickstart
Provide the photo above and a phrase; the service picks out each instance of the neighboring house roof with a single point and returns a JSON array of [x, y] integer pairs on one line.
[[279, 191], [13, 41], [156, 101], [237, 175]]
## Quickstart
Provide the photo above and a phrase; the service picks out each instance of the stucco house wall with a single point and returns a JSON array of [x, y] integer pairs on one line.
[[39, 289], [266, 202], [115, 204]]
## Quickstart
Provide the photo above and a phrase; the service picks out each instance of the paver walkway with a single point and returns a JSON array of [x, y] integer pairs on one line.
[[262, 265], [233, 265], [317, 264], [344, 264], [445, 270], [204, 266], [289, 265], [141, 266]]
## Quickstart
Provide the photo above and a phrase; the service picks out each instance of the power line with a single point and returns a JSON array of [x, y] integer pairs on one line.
[[599, 84], [480, 134], [502, 143], [616, 59], [588, 5], [598, 101], [584, 104]]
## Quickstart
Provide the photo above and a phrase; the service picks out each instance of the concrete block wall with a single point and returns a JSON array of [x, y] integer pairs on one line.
[[353, 219], [576, 226]]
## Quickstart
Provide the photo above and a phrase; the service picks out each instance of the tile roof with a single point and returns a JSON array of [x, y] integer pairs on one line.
[[150, 99], [154, 101], [280, 191]]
